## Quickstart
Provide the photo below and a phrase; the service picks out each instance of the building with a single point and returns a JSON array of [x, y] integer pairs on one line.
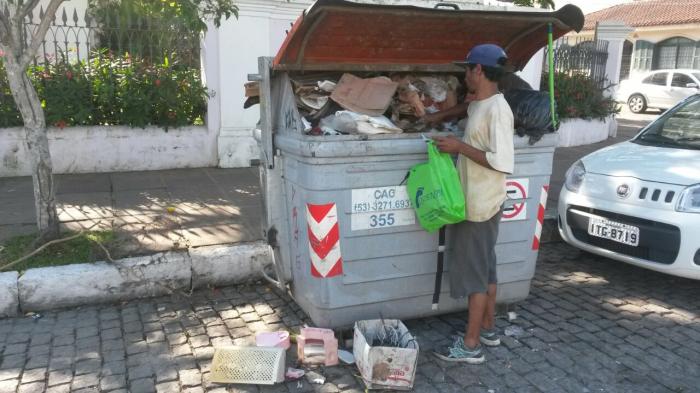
[[666, 34]]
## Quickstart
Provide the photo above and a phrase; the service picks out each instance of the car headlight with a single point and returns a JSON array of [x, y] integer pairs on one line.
[[574, 176], [689, 200]]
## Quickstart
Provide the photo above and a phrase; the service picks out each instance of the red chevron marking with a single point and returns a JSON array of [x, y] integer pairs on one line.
[[319, 212], [335, 271], [323, 246]]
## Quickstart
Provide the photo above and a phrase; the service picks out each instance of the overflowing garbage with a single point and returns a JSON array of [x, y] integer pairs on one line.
[[531, 113], [346, 104], [392, 104], [384, 352]]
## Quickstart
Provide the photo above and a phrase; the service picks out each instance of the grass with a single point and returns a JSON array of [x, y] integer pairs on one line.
[[79, 250]]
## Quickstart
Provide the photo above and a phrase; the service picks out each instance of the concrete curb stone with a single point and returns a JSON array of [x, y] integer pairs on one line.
[[71, 285], [9, 294], [146, 276], [223, 265]]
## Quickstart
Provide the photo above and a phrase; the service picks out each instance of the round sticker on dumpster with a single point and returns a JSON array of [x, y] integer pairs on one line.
[[516, 189]]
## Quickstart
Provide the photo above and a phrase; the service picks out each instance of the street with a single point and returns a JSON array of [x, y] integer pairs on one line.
[[590, 324]]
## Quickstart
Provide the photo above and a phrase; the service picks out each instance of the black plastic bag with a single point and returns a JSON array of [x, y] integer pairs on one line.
[[532, 115]]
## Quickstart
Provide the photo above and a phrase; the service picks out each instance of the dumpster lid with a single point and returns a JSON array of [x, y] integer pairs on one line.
[[341, 35]]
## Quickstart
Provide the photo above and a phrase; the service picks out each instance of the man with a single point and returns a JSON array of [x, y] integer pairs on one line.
[[485, 156]]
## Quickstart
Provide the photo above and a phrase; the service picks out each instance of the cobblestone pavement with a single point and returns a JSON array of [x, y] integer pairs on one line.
[[589, 325]]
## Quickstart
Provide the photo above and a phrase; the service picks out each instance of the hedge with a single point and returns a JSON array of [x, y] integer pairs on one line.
[[112, 90]]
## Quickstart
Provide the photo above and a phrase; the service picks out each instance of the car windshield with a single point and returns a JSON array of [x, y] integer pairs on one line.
[[679, 127], [696, 75]]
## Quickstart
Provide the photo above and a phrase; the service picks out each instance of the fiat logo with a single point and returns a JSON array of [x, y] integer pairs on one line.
[[623, 191]]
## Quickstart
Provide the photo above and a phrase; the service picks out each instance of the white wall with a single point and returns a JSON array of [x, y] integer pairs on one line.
[[655, 34], [112, 149], [532, 73], [232, 53]]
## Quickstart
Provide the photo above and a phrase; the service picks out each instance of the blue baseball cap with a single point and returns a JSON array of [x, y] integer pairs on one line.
[[489, 55]]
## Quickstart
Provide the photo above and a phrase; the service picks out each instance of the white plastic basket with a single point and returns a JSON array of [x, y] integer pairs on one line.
[[248, 365]]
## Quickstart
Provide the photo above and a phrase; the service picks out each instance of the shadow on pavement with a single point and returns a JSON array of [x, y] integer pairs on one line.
[[149, 212]]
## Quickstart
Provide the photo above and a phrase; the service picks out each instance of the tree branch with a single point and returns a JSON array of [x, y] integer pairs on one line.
[[5, 26], [28, 6], [38, 250], [40, 33]]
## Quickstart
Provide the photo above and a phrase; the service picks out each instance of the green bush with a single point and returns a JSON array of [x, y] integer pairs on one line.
[[579, 96], [9, 115], [112, 90]]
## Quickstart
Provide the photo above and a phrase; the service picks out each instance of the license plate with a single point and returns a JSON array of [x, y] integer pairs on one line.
[[615, 231]]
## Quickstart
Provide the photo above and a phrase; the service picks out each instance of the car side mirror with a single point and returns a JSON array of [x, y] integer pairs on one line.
[[691, 85]]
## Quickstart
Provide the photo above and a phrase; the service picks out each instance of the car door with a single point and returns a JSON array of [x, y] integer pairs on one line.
[[655, 86], [680, 89]]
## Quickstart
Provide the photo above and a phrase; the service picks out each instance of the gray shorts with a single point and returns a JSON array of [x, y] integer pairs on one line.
[[471, 256]]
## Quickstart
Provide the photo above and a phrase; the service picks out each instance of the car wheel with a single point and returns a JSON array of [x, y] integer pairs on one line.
[[637, 103]]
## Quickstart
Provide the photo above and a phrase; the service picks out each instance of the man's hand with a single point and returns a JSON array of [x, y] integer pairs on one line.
[[448, 144], [433, 119]]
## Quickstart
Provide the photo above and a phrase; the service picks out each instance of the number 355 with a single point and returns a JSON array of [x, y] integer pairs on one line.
[[381, 220]]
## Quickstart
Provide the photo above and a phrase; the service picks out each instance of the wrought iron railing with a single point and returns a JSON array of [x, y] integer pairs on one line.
[[80, 35], [581, 56]]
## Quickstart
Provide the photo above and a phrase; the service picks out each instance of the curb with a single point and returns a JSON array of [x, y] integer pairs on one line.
[[130, 278], [9, 295]]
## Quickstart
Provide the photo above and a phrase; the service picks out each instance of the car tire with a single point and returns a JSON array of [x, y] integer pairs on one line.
[[637, 103]]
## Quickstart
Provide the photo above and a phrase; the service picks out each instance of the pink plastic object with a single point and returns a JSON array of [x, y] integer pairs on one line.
[[273, 339], [316, 345]]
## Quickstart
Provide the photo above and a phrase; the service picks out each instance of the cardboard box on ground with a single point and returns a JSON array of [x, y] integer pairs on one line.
[[386, 354]]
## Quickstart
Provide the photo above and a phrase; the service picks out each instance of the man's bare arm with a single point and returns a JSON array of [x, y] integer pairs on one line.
[[453, 145], [457, 111]]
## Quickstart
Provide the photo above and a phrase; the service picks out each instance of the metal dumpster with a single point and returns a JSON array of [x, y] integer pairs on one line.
[[347, 243]]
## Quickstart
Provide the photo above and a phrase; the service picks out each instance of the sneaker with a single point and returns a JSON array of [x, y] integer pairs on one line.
[[459, 352], [489, 337]]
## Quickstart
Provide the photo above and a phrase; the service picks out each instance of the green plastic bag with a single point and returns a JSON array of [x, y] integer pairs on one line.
[[435, 191]]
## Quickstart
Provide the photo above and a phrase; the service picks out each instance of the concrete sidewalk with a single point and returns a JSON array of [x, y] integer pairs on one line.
[[150, 211]]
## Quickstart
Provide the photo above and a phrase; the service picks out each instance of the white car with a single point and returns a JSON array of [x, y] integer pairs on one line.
[[639, 201], [659, 89]]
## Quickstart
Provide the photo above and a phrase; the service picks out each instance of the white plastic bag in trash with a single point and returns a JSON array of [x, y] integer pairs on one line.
[[371, 124], [340, 121], [436, 88]]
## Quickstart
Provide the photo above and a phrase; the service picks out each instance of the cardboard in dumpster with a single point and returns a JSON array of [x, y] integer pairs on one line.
[[371, 96], [381, 366]]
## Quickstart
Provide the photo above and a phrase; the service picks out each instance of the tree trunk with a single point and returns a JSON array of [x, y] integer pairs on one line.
[[29, 105]]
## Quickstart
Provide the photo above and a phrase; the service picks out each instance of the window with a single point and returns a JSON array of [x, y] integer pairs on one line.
[[643, 54], [680, 80], [676, 128], [656, 79], [677, 52]]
